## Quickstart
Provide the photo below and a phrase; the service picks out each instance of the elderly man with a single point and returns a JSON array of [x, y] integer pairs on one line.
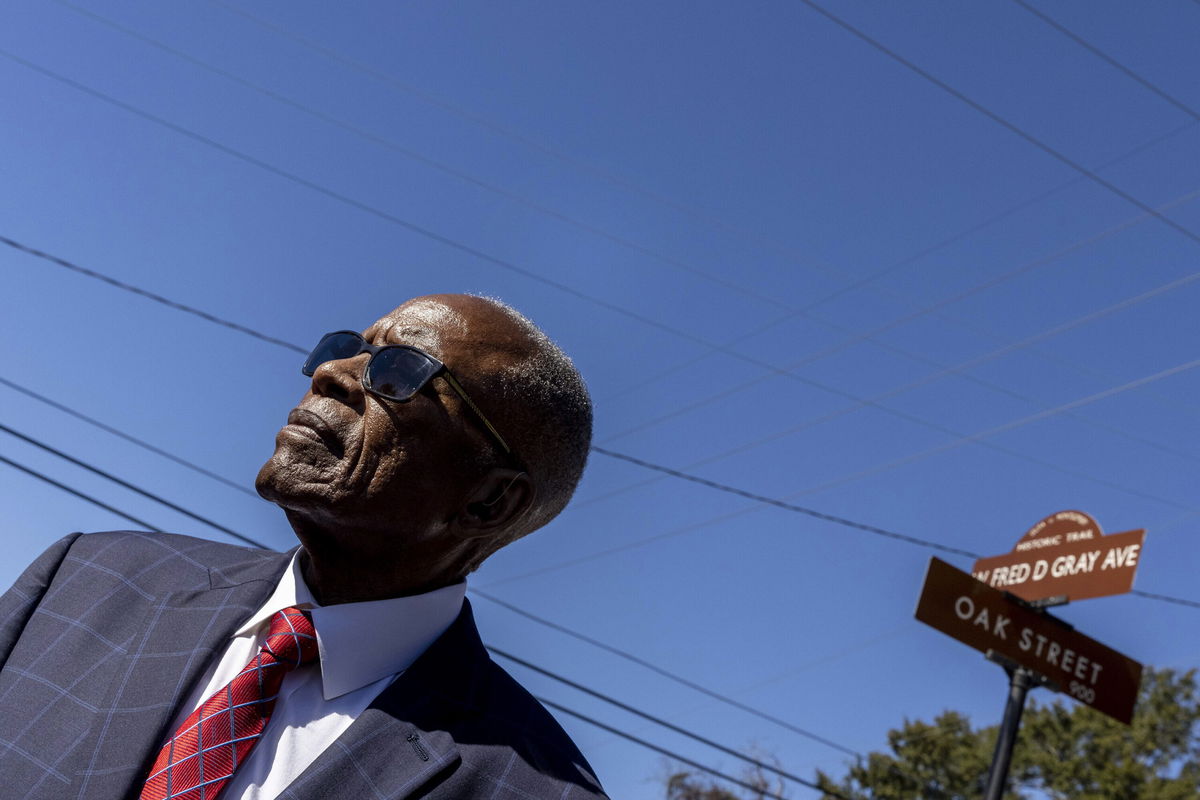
[[161, 666]]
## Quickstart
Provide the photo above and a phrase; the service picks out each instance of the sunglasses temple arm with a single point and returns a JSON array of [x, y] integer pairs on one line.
[[457, 387]]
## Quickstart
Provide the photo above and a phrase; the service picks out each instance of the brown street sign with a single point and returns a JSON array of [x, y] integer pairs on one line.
[[985, 619], [1065, 555]]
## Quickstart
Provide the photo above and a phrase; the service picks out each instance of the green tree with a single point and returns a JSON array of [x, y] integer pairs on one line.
[[686, 785], [1064, 752]]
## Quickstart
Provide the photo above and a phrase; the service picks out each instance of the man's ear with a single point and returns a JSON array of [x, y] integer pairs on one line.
[[500, 498]]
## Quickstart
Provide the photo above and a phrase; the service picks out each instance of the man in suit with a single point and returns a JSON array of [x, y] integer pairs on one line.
[[133, 661]]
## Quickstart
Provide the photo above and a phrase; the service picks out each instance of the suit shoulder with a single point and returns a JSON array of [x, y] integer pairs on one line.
[[515, 716], [161, 557]]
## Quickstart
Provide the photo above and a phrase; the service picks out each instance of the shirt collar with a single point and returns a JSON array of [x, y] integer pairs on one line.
[[361, 643]]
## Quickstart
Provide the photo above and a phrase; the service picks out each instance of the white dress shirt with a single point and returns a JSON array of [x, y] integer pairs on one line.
[[363, 646]]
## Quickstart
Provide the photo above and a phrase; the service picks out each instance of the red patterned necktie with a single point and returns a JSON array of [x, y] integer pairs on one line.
[[219, 735]]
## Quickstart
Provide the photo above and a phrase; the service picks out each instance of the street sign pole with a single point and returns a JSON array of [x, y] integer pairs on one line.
[[1000, 609], [1020, 681]]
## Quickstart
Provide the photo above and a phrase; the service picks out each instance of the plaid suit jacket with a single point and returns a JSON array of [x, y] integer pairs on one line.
[[103, 636]]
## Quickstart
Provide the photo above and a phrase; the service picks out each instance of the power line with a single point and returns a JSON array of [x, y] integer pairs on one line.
[[771, 501], [1179, 104], [944, 371], [378, 213], [94, 501], [934, 309], [391, 144], [758, 763], [248, 540], [442, 167], [1065, 408], [465, 248], [917, 456], [781, 371], [604, 451], [1166, 598], [491, 598], [99, 503], [679, 679], [914, 315], [126, 484], [572, 161], [1004, 123], [127, 437], [129, 287], [562, 287], [759, 790], [657, 720], [979, 435]]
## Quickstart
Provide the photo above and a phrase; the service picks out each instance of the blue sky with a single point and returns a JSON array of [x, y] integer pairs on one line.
[[784, 260]]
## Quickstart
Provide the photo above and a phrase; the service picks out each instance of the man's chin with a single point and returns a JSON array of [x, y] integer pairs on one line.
[[290, 484]]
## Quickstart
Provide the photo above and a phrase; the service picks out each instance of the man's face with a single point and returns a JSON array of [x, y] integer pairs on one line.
[[350, 459]]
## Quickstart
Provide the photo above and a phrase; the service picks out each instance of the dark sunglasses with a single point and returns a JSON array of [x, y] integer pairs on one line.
[[395, 372]]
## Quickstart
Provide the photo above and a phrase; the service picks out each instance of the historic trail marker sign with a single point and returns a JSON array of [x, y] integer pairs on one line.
[[1000, 610], [1065, 555], [985, 618]]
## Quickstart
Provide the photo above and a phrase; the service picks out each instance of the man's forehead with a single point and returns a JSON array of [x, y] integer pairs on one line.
[[424, 322]]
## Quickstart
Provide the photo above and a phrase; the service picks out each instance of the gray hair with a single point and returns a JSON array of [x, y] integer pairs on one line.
[[548, 415]]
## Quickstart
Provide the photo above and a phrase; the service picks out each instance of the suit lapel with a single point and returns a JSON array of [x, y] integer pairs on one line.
[[183, 631], [404, 739]]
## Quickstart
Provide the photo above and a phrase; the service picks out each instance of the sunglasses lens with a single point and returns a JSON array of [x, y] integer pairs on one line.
[[398, 373], [332, 347]]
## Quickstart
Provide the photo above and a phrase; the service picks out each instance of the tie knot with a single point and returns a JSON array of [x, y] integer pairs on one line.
[[293, 639]]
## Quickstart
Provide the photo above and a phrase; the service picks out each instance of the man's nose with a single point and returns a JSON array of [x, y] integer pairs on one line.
[[341, 379]]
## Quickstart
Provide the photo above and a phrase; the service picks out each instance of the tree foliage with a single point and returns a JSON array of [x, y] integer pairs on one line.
[[1064, 752], [688, 786]]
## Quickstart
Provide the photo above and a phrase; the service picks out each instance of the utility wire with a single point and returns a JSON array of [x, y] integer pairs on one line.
[[758, 790], [127, 437], [442, 167], [391, 144], [979, 435], [958, 435], [572, 161], [654, 323], [528, 615], [143, 492], [562, 287], [958, 369], [248, 540], [1166, 598], [604, 451], [1004, 123], [679, 679], [762, 765], [377, 212], [474, 117], [866, 281], [874, 333], [129, 287], [167, 503], [458, 174], [47, 479], [1065, 408], [758, 763], [1096, 51], [771, 501], [544, 701]]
